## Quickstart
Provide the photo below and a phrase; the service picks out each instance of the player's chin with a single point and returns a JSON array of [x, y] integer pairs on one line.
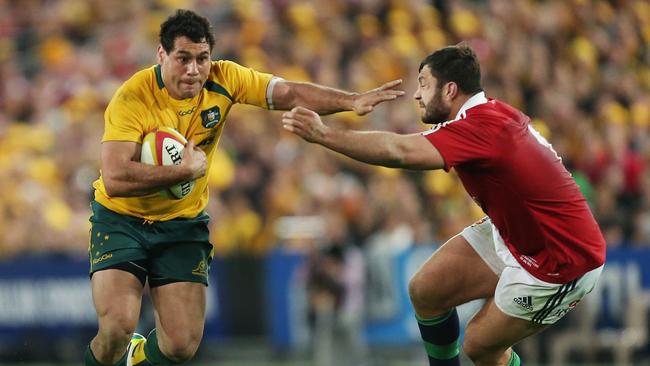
[[189, 92]]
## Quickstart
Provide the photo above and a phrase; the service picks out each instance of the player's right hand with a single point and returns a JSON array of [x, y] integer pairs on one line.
[[365, 103], [304, 123], [194, 160]]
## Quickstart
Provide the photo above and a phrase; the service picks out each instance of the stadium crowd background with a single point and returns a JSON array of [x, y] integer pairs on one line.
[[579, 68]]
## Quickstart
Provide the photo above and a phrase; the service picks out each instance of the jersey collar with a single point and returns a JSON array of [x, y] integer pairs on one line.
[[473, 101], [159, 79]]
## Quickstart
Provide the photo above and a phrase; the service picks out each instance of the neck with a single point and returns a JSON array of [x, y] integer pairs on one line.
[[457, 104]]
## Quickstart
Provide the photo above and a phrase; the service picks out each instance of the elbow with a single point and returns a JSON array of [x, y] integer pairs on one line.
[[113, 188], [403, 156], [110, 189], [395, 157], [285, 96]]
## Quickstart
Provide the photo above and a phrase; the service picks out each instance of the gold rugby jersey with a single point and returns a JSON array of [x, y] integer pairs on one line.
[[143, 104]]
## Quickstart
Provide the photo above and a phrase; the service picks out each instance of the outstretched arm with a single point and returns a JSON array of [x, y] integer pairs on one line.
[[326, 100], [373, 147]]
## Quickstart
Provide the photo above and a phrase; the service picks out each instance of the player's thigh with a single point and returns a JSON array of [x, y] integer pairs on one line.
[[117, 296], [115, 241], [521, 295], [523, 305], [453, 275], [180, 313], [178, 281], [491, 332]]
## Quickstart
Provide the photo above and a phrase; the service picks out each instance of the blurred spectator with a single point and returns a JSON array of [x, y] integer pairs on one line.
[[580, 68]]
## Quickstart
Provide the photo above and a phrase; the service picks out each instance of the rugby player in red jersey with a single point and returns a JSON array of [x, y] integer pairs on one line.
[[538, 251]]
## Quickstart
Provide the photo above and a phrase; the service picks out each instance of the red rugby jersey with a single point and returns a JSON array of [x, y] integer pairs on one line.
[[517, 178]]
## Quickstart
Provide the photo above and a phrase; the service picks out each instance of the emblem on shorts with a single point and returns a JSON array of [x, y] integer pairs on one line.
[[210, 117], [201, 269], [525, 302]]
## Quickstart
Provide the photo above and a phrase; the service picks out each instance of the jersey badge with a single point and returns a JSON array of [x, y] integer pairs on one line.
[[210, 117]]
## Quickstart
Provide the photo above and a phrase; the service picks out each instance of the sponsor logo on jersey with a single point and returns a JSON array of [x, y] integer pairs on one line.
[[210, 117], [525, 302], [187, 112]]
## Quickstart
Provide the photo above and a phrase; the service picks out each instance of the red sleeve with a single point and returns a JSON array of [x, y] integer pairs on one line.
[[464, 141]]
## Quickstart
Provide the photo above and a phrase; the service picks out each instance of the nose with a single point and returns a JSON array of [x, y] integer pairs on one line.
[[417, 94], [192, 68]]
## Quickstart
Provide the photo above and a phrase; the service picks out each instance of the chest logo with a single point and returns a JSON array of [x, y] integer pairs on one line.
[[187, 112], [210, 117]]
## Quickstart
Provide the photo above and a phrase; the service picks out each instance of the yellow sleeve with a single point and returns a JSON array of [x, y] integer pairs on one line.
[[124, 117], [245, 84]]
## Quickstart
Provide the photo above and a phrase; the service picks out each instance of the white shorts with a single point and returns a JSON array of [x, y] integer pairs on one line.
[[518, 293]]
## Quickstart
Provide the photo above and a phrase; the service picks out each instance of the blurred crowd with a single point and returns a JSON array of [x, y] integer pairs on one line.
[[579, 68]]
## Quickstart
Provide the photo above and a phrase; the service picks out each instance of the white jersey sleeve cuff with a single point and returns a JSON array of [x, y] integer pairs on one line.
[[269, 91]]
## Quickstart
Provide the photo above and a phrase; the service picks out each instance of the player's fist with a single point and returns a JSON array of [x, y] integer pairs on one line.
[[194, 160]]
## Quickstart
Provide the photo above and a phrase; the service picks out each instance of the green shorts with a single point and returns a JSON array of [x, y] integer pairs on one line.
[[177, 250]]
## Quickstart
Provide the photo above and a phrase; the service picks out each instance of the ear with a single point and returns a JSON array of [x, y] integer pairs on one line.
[[450, 90], [160, 54]]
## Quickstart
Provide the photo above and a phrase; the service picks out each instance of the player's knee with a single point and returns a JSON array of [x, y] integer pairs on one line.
[[117, 328], [113, 338], [473, 350], [122, 325], [478, 351], [181, 348], [425, 297]]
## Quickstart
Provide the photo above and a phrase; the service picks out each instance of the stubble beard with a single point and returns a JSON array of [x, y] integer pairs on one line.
[[435, 112]]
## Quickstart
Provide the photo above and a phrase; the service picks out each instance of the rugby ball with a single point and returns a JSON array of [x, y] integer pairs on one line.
[[164, 146]]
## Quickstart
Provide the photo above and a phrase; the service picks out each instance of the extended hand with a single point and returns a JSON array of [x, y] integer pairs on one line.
[[304, 123], [194, 160], [364, 103]]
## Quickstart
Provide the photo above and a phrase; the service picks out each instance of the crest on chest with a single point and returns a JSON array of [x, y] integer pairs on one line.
[[211, 117]]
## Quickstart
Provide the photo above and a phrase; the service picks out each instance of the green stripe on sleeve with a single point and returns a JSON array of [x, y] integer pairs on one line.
[[214, 87]]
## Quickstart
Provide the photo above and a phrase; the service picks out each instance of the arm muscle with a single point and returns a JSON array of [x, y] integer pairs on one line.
[[385, 148], [125, 176]]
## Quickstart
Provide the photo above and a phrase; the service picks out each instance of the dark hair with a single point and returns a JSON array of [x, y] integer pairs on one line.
[[458, 64], [185, 23]]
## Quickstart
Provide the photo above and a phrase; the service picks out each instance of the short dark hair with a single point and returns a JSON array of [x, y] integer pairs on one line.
[[185, 23], [458, 64]]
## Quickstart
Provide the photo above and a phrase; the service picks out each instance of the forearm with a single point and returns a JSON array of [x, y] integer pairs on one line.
[[320, 99], [372, 147], [137, 179]]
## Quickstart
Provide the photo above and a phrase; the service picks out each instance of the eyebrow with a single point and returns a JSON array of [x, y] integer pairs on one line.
[[187, 53]]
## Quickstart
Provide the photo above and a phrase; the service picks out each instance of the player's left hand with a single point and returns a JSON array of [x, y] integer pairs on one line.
[[364, 103], [304, 123]]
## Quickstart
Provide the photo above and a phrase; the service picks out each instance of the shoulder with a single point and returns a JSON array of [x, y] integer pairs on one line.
[[497, 114], [223, 75], [239, 83], [495, 108], [140, 87], [224, 68]]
